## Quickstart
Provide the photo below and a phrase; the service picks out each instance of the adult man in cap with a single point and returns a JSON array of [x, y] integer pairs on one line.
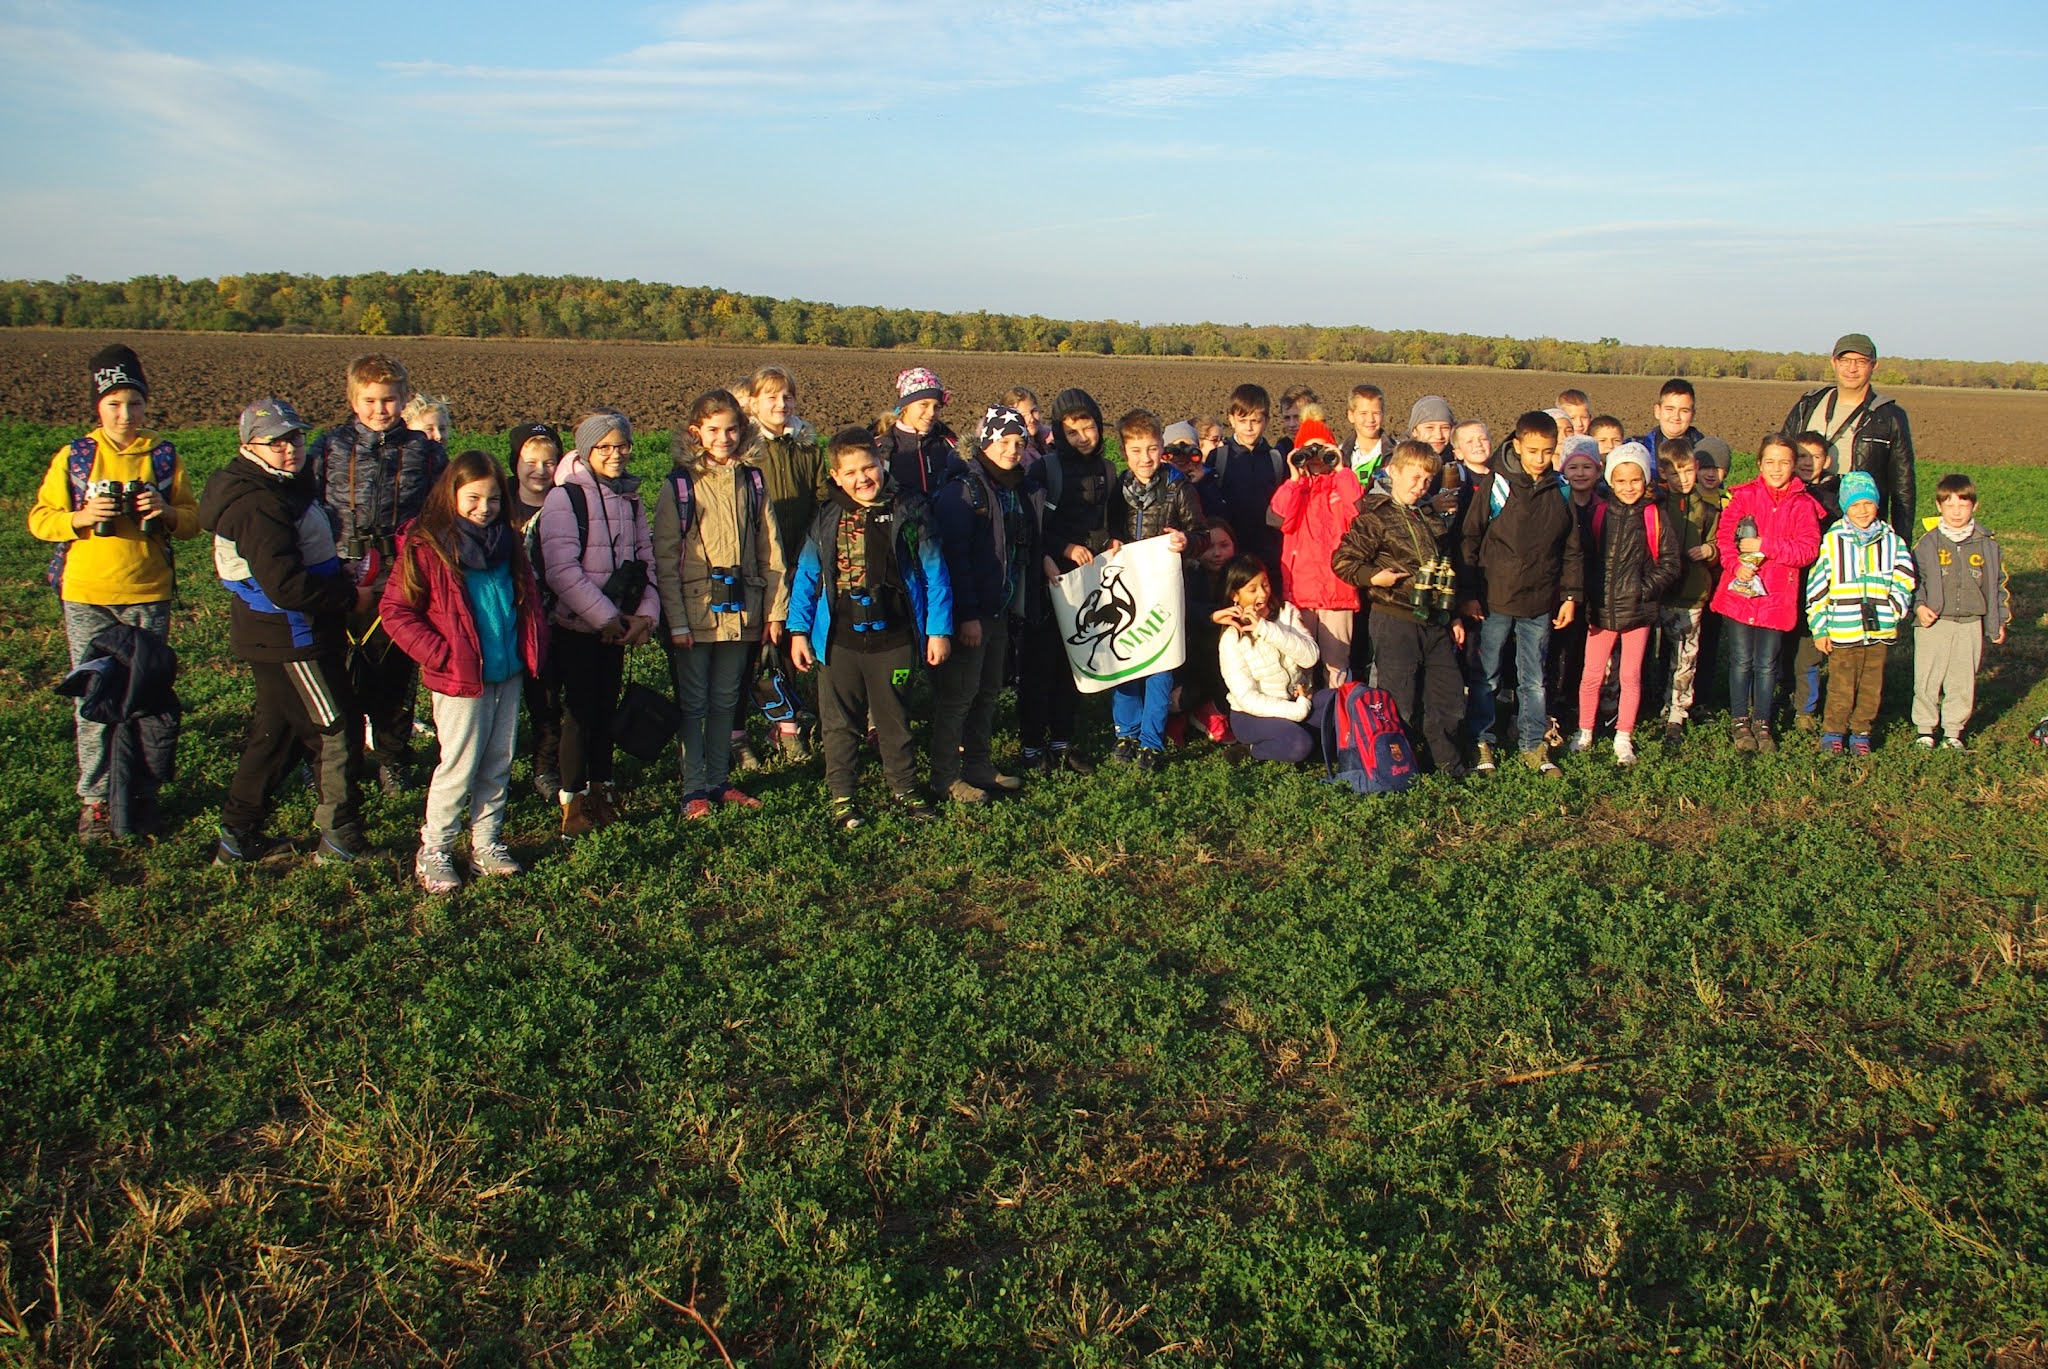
[[1864, 430]]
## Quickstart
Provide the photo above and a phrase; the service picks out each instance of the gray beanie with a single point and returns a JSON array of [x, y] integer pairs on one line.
[[1429, 409], [593, 429]]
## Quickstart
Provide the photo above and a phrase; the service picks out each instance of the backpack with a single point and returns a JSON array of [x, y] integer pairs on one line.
[[579, 504], [163, 466], [1220, 462], [1651, 525], [1364, 745], [685, 491]]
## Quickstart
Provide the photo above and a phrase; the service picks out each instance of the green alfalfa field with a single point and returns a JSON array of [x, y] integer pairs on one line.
[[1705, 1062]]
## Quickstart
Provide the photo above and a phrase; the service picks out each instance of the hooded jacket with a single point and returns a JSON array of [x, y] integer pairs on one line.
[[799, 479], [1527, 558], [920, 465], [1314, 513], [1883, 447], [1857, 571], [1941, 562], [920, 563], [375, 483], [131, 566], [1625, 581], [441, 634], [273, 548], [618, 534], [1788, 525], [1698, 515], [1390, 535], [1261, 671], [968, 513], [720, 497], [1077, 499]]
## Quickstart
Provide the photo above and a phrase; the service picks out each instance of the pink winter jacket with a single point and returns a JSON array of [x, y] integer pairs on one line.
[[1313, 515], [1788, 523], [618, 533]]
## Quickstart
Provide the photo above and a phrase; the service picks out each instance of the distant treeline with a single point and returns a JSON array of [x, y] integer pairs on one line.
[[480, 304]]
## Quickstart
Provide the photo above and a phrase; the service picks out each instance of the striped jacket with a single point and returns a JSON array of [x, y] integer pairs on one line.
[[1873, 568]]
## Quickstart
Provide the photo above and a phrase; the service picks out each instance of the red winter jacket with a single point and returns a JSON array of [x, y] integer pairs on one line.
[[1788, 524], [442, 635], [1313, 515]]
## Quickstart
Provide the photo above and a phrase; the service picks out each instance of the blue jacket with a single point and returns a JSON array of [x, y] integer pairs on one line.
[[966, 512], [918, 559]]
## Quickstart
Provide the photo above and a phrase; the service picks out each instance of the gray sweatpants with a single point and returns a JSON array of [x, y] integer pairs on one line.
[[82, 623], [1945, 661], [478, 737]]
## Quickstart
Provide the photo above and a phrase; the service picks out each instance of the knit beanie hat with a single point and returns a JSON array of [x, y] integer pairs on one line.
[[1314, 430], [595, 428], [1183, 431], [526, 432], [1711, 451], [1429, 409], [1625, 454], [116, 367], [1001, 421], [918, 383], [1578, 446], [1858, 486]]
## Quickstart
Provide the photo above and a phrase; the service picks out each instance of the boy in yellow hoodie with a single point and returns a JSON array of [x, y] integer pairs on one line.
[[112, 501]]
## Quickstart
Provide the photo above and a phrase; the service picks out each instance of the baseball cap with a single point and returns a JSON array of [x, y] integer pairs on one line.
[[1858, 343], [269, 418]]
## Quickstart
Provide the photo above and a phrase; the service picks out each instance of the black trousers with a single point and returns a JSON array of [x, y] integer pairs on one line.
[[301, 706], [854, 689], [386, 683], [964, 692], [1418, 665], [1046, 698], [542, 694], [591, 675]]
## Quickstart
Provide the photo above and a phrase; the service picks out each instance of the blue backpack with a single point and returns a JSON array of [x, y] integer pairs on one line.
[[1364, 745]]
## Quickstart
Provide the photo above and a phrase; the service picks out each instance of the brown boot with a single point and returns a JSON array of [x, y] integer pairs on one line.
[[604, 803], [576, 818]]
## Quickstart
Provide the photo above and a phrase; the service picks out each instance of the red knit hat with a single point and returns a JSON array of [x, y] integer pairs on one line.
[[1314, 430]]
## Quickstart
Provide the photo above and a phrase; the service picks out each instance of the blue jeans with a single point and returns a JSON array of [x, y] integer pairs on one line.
[[1139, 709], [1532, 651], [708, 678], [1753, 655]]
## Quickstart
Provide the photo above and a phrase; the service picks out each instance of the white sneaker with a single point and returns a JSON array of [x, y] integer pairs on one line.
[[435, 870], [1624, 749], [1582, 740], [1952, 744], [1925, 739], [492, 858]]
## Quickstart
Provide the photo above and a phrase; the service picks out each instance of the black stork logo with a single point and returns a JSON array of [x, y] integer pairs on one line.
[[1106, 614]]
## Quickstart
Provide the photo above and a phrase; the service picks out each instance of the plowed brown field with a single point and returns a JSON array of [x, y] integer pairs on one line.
[[198, 379]]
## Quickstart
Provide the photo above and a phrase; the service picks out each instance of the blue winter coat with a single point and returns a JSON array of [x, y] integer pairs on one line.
[[919, 561]]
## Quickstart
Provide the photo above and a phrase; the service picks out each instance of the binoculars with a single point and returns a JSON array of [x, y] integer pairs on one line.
[[363, 543], [1871, 624], [1433, 593], [725, 595], [869, 620], [123, 493]]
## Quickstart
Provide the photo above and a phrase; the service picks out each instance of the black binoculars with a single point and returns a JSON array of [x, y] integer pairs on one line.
[[363, 543], [123, 493], [726, 596], [869, 620], [1870, 619], [1433, 593]]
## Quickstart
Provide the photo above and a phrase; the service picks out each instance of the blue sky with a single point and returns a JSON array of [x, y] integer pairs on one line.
[[1675, 171]]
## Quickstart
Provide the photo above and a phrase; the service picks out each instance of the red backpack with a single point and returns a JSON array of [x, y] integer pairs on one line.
[[1364, 745], [1651, 523]]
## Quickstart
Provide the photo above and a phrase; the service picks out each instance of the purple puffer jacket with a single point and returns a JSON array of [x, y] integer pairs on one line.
[[618, 533]]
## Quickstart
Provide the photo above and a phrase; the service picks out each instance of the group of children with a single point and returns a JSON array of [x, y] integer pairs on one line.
[[365, 562]]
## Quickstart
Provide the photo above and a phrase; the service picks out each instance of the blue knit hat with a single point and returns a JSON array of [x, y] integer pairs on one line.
[[1858, 486]]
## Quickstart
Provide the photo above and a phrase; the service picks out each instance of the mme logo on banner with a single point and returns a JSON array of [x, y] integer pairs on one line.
[[1121, 615]]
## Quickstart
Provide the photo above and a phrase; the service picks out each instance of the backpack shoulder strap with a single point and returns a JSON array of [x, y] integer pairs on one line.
[[1055, 478], [1222, 455], [1652, 527], [579, 504], [1279, 464], [163, 463], [685, 492], [1599, 518], [78, 468]]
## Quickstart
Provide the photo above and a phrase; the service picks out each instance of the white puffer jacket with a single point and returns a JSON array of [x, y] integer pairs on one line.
[[1261, 670]]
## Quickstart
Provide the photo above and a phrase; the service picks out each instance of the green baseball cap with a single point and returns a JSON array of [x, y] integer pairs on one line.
[[1859, 343]]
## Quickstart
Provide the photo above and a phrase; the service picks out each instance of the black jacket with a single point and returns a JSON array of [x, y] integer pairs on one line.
[[273, 547], [1077, 501], [375, 483], [1884, 447], [1172, 504], [128, 682], [1388, 535], [921, 465], [1526, 559], [1624, 582], [973, 535]]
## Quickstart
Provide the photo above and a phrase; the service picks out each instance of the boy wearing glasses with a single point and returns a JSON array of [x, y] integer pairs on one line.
[[274, 550]]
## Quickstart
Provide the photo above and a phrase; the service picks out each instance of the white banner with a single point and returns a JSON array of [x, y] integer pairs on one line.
[[1122, 615]]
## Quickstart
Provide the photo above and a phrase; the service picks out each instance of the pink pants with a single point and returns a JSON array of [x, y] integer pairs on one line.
[[1600, 646]]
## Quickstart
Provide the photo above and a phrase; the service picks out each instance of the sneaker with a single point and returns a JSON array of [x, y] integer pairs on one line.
[[1125, 751], [1485, 764], [394, 779], [493, 858], [989, 777], [794, 748], [1952, 744], [603, 803], [248, 848], [1804, 722], [576, 819], [846, 816], [340, 847], [1068, 759], [743, 755], [695, 807], [1766, 744], [1539, 761], [1745, 737], [94, 824], [1831, 744], [1624, 749], [1151, 760], [914, 807], [1582, 741], [736, 797], [1236, 753], [960, 791], [548, 785], [1036, 762], [436, 872], [1674, 738], [1859, 744], [1926, 739]]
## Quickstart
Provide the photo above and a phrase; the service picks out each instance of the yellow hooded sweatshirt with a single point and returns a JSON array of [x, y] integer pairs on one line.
[[128, 567]]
